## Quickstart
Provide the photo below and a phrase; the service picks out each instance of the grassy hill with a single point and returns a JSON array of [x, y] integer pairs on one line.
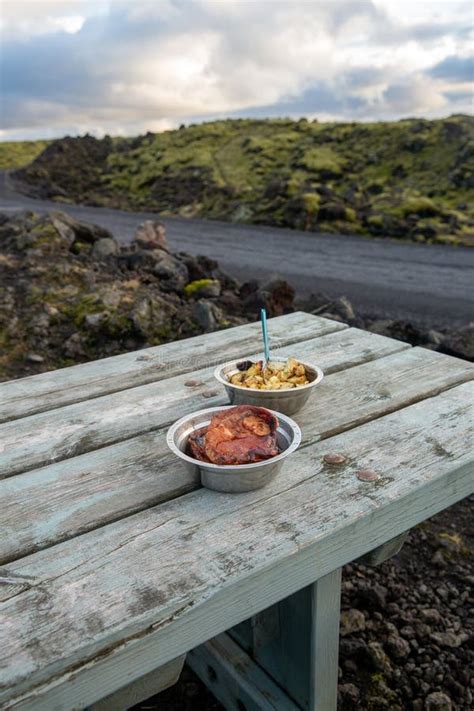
[[409, 179], [14, 154]]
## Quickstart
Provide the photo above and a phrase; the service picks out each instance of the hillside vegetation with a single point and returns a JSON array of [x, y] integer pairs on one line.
[[15, 154], [410, 179]]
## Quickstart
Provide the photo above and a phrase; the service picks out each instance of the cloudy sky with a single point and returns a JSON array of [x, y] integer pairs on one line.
[[128, 66]]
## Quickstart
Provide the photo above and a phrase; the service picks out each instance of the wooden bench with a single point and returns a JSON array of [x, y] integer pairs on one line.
[[115, 563]]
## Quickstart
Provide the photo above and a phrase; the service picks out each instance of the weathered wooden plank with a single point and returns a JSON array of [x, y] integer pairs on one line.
[[235, 679], [57, 388], [148, 588], [64, 499], [64, 433]]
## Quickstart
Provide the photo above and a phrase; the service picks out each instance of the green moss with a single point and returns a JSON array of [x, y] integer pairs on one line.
[[375, 221], [262, 171], [35, 295], [80, 247], [293, 186], [45, 235], [77, 310], [4, 338], [198, 284], [311, 203], [15, 154], [422, 206], [376, 678], [322, 160], [447, 239], [66, 362], [378, 688]]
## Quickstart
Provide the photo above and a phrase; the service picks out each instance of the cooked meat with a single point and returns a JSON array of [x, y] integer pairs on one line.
[[196, 443], [240, 435]]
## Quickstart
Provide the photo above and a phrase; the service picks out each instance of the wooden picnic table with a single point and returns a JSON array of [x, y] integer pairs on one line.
[[116, 563]]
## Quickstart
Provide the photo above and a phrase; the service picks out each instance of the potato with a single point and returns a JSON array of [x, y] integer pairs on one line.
[[275, 376]]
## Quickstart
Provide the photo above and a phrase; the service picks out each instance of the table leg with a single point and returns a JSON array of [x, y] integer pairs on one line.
[[325, 613], [293, 644]]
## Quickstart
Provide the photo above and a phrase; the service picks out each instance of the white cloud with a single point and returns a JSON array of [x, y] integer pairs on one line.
[[122, 65], [69, 23], [28, 18], [420, 96]]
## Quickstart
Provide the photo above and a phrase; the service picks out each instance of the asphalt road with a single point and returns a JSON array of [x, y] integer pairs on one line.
[[427, 284]]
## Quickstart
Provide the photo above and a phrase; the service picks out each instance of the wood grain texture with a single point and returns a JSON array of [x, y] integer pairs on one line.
[[284, 656], [148, 588], [57, 388], [325, 612], [235, 679], [64, 433], [142, 689], [67, 498]]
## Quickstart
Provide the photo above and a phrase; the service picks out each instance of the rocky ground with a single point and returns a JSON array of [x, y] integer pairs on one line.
[[405, 628], [456, 342], [69, 293]]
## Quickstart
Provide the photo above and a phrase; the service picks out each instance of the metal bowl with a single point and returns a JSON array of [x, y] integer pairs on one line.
[[286, 401], [234, 478]]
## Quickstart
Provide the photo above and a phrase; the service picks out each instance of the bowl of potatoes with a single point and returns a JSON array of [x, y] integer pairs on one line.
[[282, 384]]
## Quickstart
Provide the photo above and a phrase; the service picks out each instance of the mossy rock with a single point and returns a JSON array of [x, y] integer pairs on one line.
[[422, 206], [77, 310], [203, 288], [323, 161], [375, 222]]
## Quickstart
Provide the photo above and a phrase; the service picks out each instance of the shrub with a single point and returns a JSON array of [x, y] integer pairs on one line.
[[311, 202]]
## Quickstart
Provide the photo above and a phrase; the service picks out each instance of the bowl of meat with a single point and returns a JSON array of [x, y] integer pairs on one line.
[[283, 384], [234, 448]]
